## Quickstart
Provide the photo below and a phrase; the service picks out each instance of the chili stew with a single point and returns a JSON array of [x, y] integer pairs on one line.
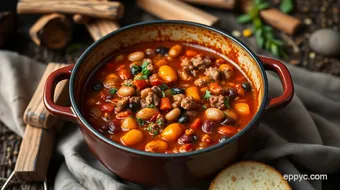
[[168, 98]]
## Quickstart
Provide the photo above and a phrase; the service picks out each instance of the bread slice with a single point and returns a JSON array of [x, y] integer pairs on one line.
[[249, 175]]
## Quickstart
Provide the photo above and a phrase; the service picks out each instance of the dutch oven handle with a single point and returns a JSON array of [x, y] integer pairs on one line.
[[53, 79], [288, 89]]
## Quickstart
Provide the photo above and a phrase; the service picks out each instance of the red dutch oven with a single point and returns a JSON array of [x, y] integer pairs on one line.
[[168, 170]]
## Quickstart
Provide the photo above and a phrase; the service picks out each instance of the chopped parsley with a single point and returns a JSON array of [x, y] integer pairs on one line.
[[113, 90], [142, 77], [173, 92], [204, 106], [226, 103], [140, 122], [207, 94], [160, 122], [155, 133], [163, 94], [151, 106], [145, 64], [163, 86], [128, 84]]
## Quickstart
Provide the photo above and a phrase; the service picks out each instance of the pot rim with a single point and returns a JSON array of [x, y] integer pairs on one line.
[[98, 135]]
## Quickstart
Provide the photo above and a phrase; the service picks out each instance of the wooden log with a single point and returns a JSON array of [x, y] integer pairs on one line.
[[109, 10], [281, 21], [7, 26], [224, 4], [100, 27], [177, 10], [37, 146], [53, 31]]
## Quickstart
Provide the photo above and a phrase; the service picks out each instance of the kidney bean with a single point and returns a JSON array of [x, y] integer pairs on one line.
[[208, 126], [162, 50], [134, 107], [175, 50], [183, 119], [246, 86], [146, 113], [228, 121], [113, 127], [231, 93], [125, 91], [173, 114], [185, 139]]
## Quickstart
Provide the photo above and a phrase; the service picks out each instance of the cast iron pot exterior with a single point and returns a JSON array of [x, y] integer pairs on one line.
[[174, 171]]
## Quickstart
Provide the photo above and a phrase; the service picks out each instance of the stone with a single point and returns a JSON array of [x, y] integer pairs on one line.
[[325, 42]]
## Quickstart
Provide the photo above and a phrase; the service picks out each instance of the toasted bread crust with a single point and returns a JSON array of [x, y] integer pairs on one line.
[[249, 165]]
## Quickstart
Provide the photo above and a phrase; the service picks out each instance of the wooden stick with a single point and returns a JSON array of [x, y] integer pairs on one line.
[[177, 10], [110, 10], [281, 21], [225, 4], [53, 31], [99, 28], [38, 142]]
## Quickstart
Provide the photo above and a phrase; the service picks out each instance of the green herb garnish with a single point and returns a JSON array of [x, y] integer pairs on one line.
[[204, 106], [207, 94], [113, 90], [163, 94], [264, 34], [163, 86], [226, 103], [151, 106], [142, 77], [286, 6], [160, 122], [140, 122]]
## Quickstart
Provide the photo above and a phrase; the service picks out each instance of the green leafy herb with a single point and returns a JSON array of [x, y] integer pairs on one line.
[[163, 94], [146, 72], [163, 86], [160, 122], [140, 122], [226, 103], [142, 77], [245, 18], [204, 106], [286, 6], [264, 34], [127, 84], [113, 90], [145, 64], [155, 133], [151, 106], [207, 94], [173, 92]]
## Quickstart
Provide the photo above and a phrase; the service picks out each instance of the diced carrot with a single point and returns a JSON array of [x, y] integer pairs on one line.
[[193, 92], [140, 84], [165, 104], [228, 130], [215, 88], [124, 74], [123, 114], [106, 107], [190, 53], [196, 124]]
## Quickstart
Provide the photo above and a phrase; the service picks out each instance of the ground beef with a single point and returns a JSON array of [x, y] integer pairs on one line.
[[121, 104], [217, 101], [201, 63], [186, 64], [150, 99], [213, 73], [202, 81], [145, 92], [177, 100], [188, 103], [184, 75], [191, 113], [134, 99], [128, 82], [157, 91]]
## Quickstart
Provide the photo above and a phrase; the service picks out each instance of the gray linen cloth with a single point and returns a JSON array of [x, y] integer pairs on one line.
[[303, 137]]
